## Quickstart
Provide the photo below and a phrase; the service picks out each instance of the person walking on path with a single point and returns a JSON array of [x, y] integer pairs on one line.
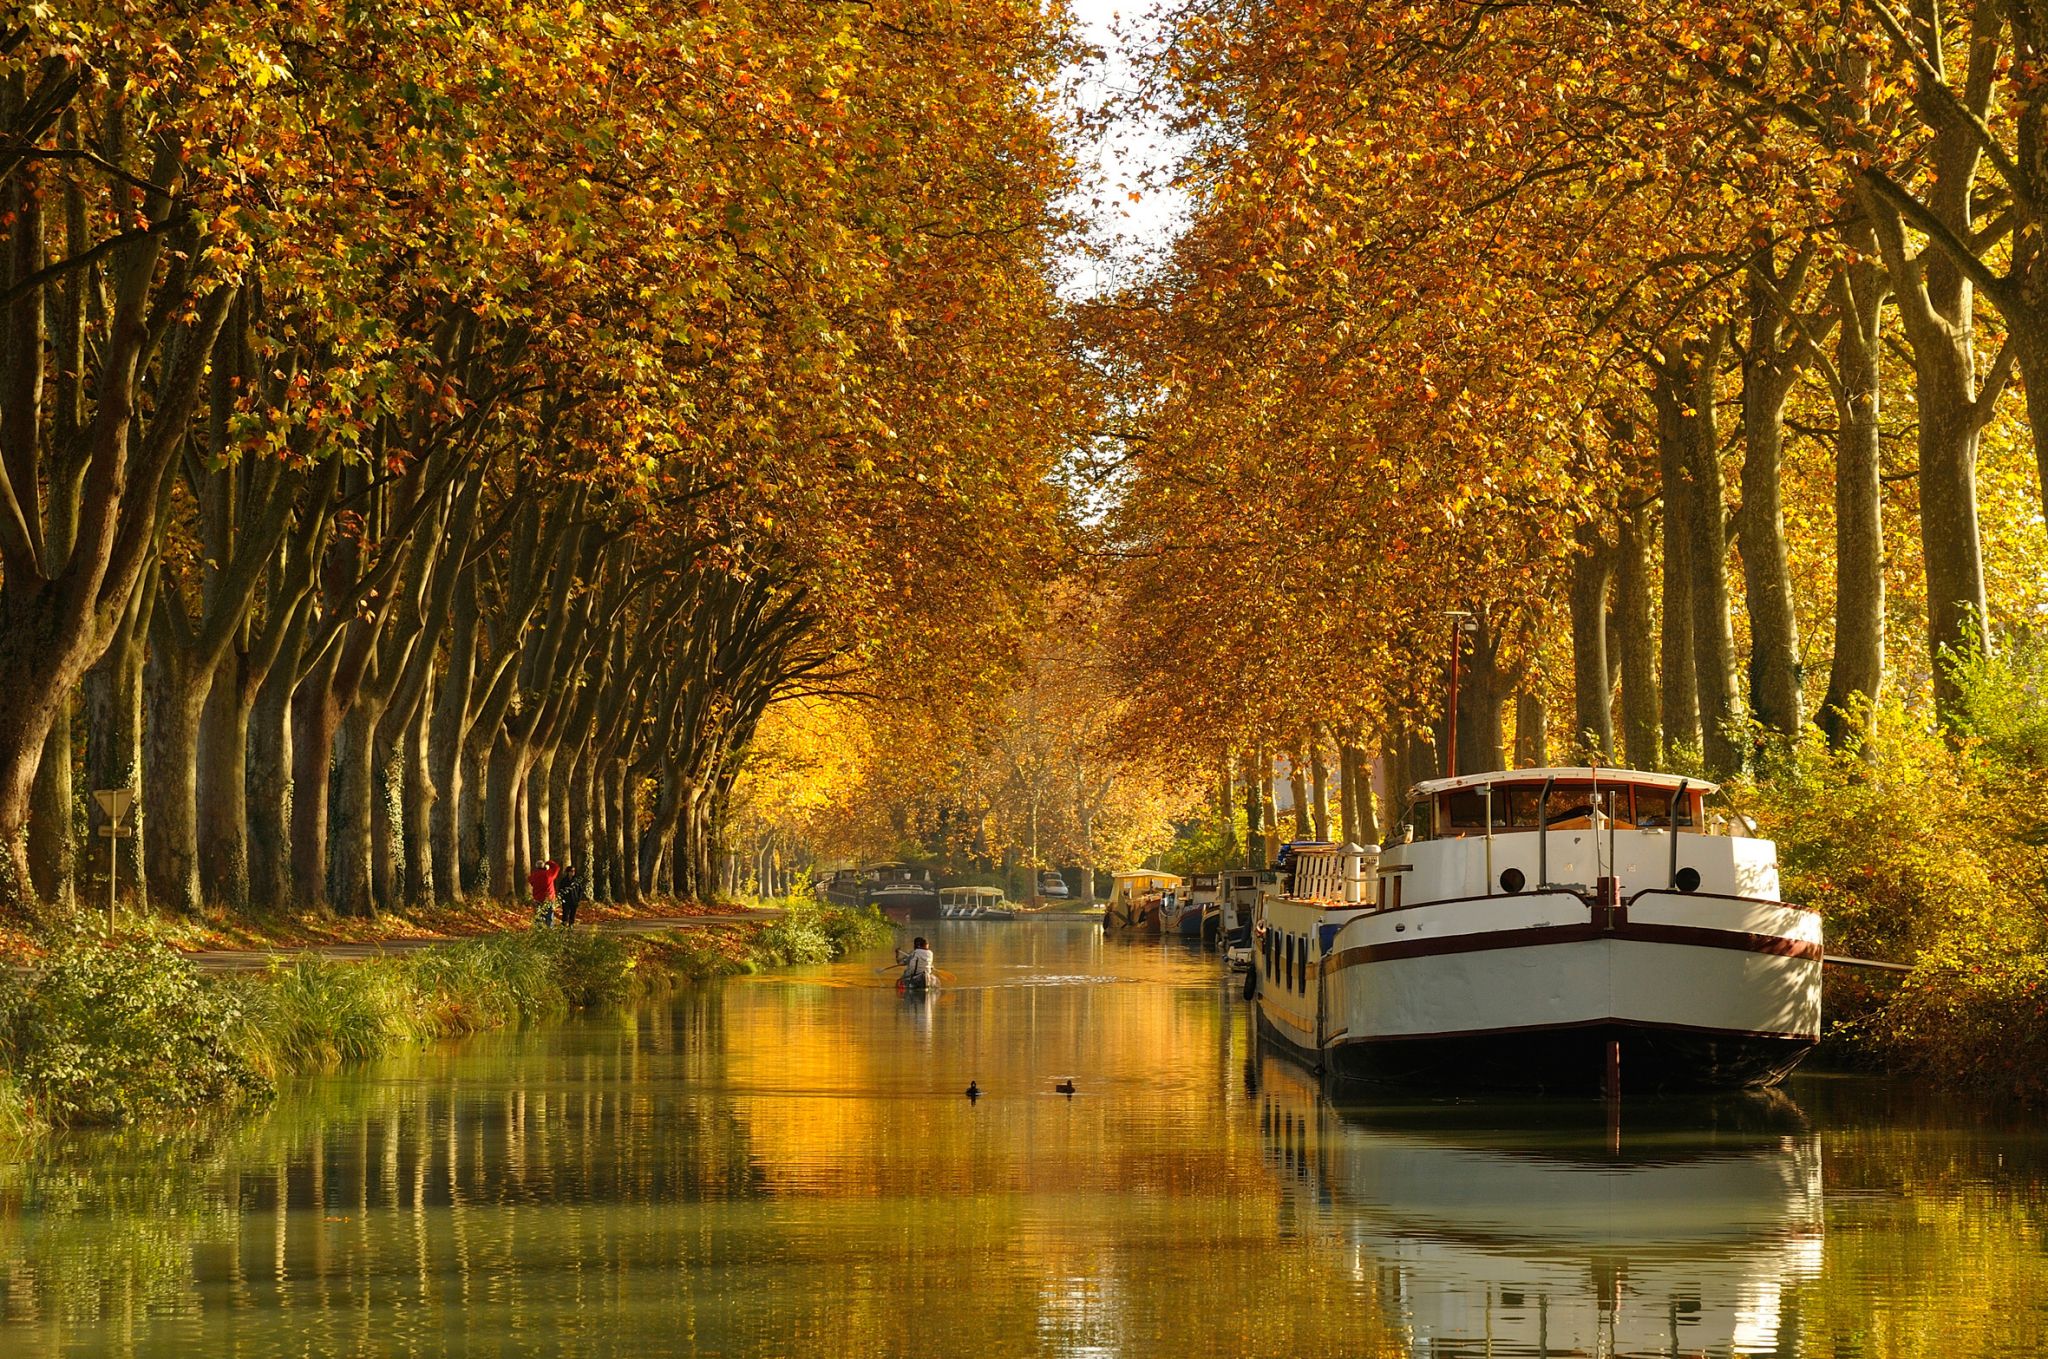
[[542, 883], [569, 887]]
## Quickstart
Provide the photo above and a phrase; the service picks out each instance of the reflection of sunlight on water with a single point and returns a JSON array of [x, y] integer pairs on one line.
[[1075, 1318]]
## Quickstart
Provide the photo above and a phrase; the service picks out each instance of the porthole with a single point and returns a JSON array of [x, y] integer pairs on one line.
[[1688, 880], [1512, 880]]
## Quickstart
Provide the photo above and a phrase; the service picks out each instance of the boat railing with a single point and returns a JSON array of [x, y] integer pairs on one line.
[[1340, 876]]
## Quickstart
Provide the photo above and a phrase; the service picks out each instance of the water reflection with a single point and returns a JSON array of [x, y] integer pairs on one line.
[[1515, 1230], [787, 1166]]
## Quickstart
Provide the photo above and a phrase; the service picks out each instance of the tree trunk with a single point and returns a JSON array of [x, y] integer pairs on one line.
[[629, 831], [316, 721], [582, 814], [502, 828], [1634, 636], [417, 803], [1363, 826], [112, 692], [1592, 701], [1319, 786], [224, 792], [1706, 552], [1937, 310], [52, 858], [540, 831], [1255, 804], [1768, 372], [1481, 701], [352, 812], [1297, 788], [1678, 686], [1532, 732], [170, 776], [272, 788], [1347, 795], [1857, 677]]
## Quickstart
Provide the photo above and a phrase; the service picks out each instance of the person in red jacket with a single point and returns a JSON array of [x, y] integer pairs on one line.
[[542, 883]]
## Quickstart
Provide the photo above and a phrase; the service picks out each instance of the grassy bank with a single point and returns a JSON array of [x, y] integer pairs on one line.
[[107, 1032]]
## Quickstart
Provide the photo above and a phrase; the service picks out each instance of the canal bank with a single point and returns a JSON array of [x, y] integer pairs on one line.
[[102, 1032], [785, 1163]]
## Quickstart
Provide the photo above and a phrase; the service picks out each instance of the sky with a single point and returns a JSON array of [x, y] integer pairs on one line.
[[1122, 160]]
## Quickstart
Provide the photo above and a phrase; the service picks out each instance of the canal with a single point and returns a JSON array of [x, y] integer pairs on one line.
[[787, 1165]]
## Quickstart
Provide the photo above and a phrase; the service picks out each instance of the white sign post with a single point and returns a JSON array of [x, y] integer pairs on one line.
[[115, 802]]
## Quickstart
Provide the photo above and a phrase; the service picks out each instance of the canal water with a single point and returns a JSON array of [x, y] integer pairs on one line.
[[787, 1166]]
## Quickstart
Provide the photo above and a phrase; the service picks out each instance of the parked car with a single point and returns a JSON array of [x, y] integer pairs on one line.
[[1052, 886]]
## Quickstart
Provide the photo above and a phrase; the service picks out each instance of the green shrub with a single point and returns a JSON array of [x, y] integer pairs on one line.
[[1928, 851], [806, 935], [852, 931], [589, 969], [795, 940], [1898, 844], [113, 1032], [2003, 704], [1973, 1012]]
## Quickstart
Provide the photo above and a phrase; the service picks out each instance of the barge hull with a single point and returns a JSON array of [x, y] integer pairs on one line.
[[1572, 1060]]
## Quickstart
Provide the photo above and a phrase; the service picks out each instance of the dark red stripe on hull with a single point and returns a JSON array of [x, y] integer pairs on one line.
[[1538, 936]]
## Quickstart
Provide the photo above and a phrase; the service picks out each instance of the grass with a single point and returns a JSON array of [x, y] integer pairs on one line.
[[122, 1032]]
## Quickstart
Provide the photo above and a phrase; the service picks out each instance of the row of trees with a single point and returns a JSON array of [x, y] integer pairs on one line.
[[1687, 335], [433, 435]]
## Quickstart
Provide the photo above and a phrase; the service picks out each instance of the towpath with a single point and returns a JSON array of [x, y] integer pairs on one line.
[[355, 951]]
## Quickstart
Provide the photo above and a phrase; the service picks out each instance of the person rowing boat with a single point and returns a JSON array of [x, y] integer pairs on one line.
[[918, 972]]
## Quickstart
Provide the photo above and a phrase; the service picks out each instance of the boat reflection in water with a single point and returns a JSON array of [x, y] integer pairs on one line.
[[1514, 1230]]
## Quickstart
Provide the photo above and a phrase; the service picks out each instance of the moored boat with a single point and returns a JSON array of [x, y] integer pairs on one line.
[[1181, 910], [1549, 929], [1205, 899], [902, 892], [974, 903], [1138, 901]]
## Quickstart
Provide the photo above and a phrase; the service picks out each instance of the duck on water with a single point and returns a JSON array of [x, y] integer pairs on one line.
[[1546, 929]]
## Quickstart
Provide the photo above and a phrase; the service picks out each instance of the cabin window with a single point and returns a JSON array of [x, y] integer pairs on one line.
[[1303, 987], [1653, 808], [1574, 806], [1517, 805], [1287, 976], [1465, 810]]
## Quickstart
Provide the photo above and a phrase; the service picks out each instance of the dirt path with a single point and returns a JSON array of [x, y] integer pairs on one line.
[[256, 959]]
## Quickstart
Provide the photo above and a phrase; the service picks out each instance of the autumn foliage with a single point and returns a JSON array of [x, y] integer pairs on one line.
[[451, 426]]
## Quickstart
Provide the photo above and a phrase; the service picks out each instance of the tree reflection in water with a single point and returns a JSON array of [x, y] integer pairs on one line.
[[784, 1165]]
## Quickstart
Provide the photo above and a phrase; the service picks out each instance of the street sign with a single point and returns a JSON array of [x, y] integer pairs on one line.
[[115, 802]]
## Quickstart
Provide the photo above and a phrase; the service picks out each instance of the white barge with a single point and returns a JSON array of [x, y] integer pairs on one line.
[[1546, 929]]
